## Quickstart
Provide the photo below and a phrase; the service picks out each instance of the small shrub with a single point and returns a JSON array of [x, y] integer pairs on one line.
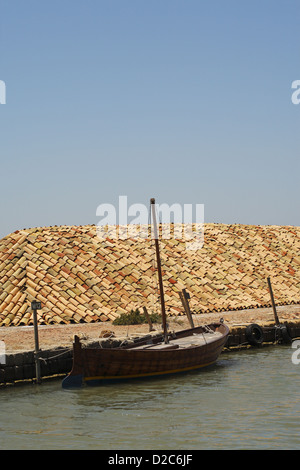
[[135, 318]]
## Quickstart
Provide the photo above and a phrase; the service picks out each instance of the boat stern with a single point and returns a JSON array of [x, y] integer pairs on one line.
[[72, 381], [75, 378]]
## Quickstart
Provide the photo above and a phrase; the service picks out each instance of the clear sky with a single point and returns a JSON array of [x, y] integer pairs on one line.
[[187, 101]]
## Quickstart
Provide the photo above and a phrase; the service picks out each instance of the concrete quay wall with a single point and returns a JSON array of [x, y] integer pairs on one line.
[[21, 366]]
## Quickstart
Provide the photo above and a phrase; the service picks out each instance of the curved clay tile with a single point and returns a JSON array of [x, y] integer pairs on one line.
[[79, 277]]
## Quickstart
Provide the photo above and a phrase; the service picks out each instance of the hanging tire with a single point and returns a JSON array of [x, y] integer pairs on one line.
[[285, 335], [254, 334]]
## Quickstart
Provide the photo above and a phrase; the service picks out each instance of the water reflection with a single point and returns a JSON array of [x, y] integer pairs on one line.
[[147, 393]]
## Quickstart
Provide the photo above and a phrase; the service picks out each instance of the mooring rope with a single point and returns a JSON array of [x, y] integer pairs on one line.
[[56, 355]]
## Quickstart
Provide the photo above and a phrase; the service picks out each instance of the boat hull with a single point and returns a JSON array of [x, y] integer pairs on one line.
[[97, 365]]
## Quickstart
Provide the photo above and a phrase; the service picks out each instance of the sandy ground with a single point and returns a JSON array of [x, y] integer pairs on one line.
[[22, 338]]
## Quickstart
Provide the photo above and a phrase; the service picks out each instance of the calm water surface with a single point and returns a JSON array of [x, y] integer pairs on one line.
[[248, 400]]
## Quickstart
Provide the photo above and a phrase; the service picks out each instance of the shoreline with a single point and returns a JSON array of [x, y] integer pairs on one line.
[[21, 338]]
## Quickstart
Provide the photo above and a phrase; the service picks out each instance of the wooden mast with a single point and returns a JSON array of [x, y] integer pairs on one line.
[[161, 288]]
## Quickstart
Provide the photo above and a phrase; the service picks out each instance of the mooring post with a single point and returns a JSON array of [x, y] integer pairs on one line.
[[148, 318], [36, 306], [184, 296], [273, 302]]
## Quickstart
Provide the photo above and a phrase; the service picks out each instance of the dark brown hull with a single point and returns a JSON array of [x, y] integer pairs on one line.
[[92, 365]]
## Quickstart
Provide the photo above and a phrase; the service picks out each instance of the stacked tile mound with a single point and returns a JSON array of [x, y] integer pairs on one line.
[[79, 277]]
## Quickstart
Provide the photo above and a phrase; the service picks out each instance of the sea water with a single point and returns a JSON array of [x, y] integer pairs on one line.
[[248, 400]]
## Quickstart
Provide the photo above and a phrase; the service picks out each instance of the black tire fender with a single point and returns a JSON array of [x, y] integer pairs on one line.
[[285, 335], [254, 334]]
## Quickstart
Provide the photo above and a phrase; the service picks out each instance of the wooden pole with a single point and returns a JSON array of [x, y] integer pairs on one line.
[[148, 319], [34, 306], [273, 302], [161, 287], [184, 299]]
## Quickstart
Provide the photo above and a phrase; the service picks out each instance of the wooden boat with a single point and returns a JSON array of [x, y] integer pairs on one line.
[[163, 354], [186, 350]]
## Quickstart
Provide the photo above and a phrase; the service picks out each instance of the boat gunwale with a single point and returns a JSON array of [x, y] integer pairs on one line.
[[176, 335]]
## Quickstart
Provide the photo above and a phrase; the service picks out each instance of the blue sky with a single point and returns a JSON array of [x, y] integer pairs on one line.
[[185, 101]]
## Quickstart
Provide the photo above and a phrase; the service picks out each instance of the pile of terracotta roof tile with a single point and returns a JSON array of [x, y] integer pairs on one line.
[[80, 277]]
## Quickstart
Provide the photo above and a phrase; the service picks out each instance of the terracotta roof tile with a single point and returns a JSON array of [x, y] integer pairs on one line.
[[79, 277]]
